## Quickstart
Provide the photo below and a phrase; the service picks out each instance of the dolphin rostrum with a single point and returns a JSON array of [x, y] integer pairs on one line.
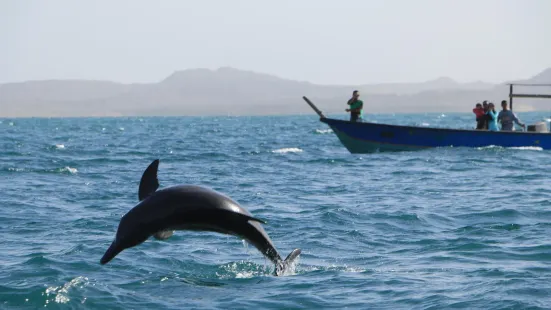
[[189, 207]]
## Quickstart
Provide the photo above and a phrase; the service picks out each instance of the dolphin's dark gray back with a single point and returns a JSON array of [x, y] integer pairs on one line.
[[190, 207]]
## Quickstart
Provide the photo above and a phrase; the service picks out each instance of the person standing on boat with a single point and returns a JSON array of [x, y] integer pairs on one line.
[[507, 117], [492, 117], [356, 107], [486, 117], [479, 112]]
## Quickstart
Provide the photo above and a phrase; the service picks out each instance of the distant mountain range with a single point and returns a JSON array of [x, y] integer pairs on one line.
[[229, 91]]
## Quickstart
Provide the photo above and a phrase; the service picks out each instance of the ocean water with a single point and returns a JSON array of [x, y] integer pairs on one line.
[[434, 229]]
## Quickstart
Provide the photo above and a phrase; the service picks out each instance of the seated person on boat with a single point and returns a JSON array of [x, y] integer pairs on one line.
[[356, 107], [507, 117]]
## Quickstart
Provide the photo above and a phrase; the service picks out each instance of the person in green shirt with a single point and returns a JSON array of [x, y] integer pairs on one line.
[[356, 107]]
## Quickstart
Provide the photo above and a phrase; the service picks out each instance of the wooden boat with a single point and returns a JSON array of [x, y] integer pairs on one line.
[[368, 137]]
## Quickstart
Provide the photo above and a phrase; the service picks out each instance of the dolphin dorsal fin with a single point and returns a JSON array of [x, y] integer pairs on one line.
[[149, 182]]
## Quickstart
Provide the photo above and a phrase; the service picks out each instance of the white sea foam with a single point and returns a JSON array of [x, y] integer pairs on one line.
[[62, 292], [243, 270], [324, 131], [70, 170], [245, 274], [523, 148], [527, 148], [334, 268], [287, 150], [488, 147]]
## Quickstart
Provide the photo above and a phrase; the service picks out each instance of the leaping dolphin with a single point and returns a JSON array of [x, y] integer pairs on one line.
[[189, 207]]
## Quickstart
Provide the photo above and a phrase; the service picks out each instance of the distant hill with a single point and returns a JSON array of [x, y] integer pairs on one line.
[[229, 91], [442, 83], [543, 77]]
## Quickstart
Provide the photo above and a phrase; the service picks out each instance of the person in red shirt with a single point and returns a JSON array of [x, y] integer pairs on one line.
[[479, 112]]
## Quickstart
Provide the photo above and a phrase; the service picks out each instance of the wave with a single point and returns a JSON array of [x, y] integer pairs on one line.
[[332, 268], [287, 150], [68, 169], [522, 148], [526, 148], [323, 131]]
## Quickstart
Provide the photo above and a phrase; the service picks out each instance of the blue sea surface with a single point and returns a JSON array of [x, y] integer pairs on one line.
[[461, 228]]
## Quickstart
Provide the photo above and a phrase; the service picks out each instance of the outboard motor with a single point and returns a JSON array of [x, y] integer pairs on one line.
[[537, 127]]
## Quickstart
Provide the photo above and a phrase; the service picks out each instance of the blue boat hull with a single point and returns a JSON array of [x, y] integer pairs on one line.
[[365, 137]]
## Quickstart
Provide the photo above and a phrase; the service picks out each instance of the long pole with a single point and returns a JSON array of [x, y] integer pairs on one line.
[[313, 106], [511, 97]]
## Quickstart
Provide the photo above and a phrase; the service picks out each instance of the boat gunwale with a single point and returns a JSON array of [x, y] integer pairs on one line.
[[409, 146], [327, 120]]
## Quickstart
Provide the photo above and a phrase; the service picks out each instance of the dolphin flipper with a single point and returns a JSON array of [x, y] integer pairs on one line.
[[163, 234], [149, 182]]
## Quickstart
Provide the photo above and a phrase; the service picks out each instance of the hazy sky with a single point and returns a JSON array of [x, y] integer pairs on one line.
[[321, 41]]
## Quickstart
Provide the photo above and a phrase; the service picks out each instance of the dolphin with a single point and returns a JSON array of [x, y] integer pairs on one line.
[[189, 207]]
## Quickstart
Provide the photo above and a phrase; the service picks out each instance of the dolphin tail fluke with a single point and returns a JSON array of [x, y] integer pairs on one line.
[[292, 256], [284, 266]]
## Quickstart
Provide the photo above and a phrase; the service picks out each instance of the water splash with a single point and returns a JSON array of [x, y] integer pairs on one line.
[[291, 269], [243, 270], [61, 293]]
